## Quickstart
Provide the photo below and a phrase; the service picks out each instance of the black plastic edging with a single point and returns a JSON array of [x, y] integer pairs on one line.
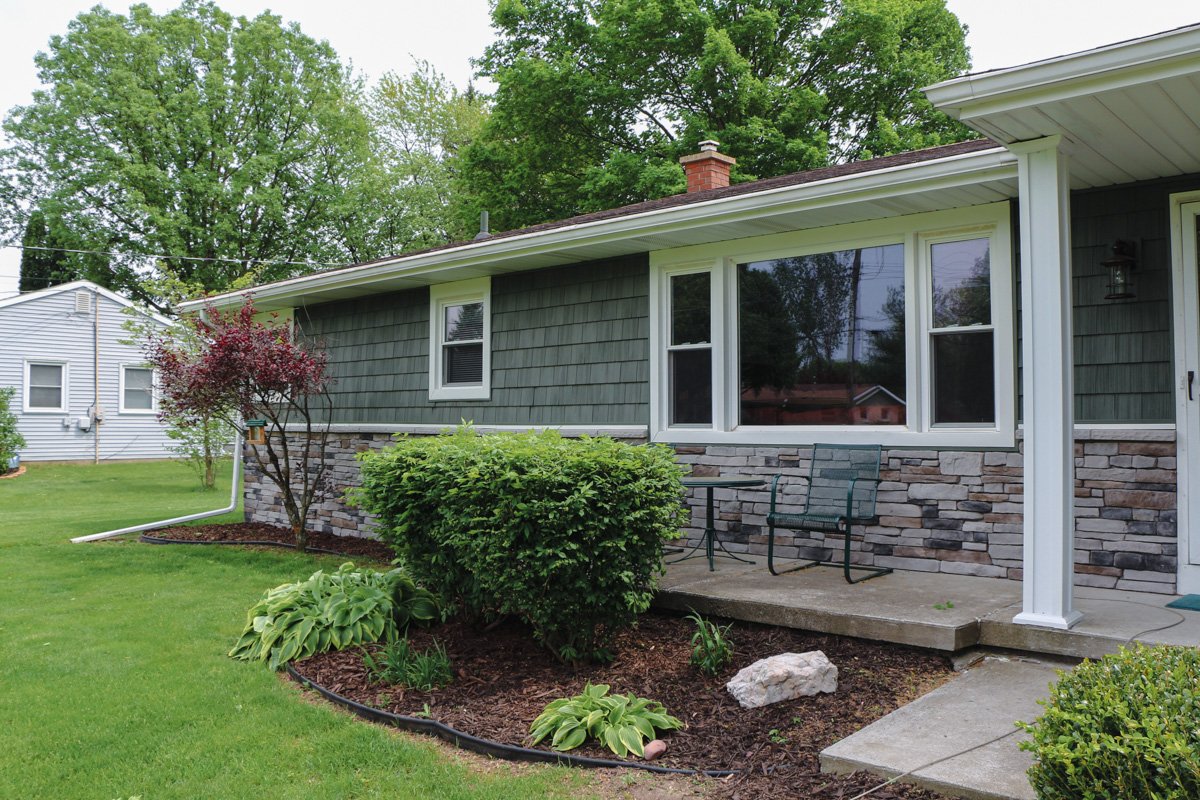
[[487, 747], [264, 543]]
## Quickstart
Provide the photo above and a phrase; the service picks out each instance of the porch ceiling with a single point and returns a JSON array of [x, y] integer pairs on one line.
[[1129, 111]]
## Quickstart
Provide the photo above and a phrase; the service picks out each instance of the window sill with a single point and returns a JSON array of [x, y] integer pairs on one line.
[[460, 393], [886, 435]]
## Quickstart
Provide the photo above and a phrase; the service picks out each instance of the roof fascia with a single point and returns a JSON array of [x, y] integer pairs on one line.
[[1105, 68], [964, 169]]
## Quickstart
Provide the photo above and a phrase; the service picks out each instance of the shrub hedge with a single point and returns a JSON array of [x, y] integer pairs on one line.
[[1122, 727], [565, 534]]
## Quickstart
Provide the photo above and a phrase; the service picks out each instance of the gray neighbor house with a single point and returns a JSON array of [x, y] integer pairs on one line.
[[1014, 319]]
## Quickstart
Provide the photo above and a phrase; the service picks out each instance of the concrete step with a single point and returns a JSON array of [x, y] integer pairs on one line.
[[937, 611], [953, 739]]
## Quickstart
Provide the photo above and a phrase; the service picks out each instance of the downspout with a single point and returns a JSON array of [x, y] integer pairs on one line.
[[149, 526], [96, 415]]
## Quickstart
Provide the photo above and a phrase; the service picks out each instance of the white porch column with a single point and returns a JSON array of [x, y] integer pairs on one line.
[[1049, 514]]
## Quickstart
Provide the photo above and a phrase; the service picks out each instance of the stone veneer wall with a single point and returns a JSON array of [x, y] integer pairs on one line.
[[961, 512], [939, 511]]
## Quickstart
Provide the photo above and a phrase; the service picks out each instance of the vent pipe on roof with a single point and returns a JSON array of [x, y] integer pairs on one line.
[[484, 233], [707, 169]]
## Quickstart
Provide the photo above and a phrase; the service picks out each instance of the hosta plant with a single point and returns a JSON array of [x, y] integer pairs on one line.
[[331, 611], [622, 722]]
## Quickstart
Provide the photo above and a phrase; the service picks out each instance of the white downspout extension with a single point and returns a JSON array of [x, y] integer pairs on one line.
[[149, 526], [1047, 582]]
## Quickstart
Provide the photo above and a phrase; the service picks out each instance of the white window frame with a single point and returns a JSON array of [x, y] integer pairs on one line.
[[442, 295], [915, 232], [122, 408], [66, 382]]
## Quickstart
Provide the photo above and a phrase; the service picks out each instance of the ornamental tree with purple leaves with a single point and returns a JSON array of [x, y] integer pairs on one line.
[[233, 366]]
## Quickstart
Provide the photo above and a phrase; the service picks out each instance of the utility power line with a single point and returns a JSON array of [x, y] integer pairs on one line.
[[168, 257]]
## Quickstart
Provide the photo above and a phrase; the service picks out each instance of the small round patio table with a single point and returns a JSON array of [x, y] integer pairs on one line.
[[709, 540]]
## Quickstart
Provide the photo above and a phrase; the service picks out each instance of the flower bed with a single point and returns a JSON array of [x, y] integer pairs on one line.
[[502, 681]]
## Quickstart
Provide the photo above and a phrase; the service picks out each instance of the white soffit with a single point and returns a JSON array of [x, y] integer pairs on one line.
[[975, 178], [1128, 111]]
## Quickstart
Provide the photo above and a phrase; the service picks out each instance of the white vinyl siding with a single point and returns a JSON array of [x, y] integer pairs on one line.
[[46, 328]]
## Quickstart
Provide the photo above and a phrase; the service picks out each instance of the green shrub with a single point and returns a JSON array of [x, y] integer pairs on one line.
[[711, 646], [565, 534], [621, 722], [1122, 727], [331, 611], [10, 438], [400, 664]]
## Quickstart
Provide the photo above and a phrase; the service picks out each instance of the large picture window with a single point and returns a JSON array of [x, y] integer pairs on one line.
[[895, 331], [821, 338]]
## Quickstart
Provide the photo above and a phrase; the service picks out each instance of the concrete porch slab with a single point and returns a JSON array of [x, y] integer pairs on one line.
[[1111, 618], [933, 610], [925, 740]]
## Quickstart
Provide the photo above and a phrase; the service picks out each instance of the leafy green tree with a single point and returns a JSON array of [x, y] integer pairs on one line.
[[195, 134], [421, 124], [42, 263], [597, 99]]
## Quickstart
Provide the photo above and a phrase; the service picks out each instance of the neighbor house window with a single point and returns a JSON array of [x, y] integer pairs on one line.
[[137, 390], [896, 331], [45, 386], [460, 340]]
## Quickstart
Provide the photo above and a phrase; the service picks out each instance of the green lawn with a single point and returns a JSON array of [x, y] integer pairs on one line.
[[113, 675]]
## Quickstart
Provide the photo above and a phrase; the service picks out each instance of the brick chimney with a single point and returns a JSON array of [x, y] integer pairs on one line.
[[707, 169]]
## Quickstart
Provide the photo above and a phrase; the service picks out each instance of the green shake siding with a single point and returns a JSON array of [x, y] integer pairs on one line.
[[570, 346], [1124, 348]]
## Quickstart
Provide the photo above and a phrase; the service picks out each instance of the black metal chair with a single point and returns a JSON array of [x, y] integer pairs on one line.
[[843, 480]]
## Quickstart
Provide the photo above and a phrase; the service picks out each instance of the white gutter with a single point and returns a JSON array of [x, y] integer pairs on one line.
[[949, 172], [234, 491]]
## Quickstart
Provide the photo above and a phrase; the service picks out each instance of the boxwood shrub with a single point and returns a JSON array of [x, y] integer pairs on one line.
[[1123, 727], [565, 534]]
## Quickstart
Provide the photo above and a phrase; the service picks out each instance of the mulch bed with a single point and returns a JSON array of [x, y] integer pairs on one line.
[[503, 681], [355, 548]]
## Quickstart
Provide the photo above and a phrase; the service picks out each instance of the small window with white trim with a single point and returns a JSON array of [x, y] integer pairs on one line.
[[137, 390], [961, 333], [460, 340], [689, 351], [46, 386]]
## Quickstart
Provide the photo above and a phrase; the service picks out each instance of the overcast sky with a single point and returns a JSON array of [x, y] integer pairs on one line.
[[377, 36]]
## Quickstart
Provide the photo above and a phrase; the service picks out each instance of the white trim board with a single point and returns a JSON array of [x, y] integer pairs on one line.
[[1185, 213], [614, 431]]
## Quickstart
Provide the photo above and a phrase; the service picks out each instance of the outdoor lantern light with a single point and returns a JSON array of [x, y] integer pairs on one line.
[[1119, 265], [256, 431]]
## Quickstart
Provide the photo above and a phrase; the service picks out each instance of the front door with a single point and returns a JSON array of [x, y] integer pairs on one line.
[[1186, 246]]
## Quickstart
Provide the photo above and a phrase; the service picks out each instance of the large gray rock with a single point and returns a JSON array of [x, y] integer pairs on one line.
[[783, 677]]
